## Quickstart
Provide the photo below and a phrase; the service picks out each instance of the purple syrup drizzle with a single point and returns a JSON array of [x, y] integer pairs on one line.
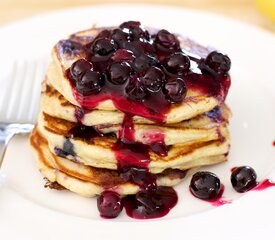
[[150, 204], [126, 133], [219, 201], [266, 183]]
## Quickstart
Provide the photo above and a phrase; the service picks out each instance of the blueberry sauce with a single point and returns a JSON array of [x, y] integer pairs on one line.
[[139, 176], [153, 136], [79, 114], [139, 72], [150, 204], [220, 135], [131, 155], [126, 133], [129, 152], [267, 183], [219, 201]]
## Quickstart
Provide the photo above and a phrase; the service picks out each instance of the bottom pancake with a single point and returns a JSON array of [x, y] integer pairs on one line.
[[89, 181]]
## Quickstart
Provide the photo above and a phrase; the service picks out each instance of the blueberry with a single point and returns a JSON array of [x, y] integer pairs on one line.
[[141, 177], [153, 79], [104, 34], [243, 179], [175, 90], [166, 41], [119, 72], [109, 204], [215, 113], [103, 46], [134, 47], [79, 67], [143, 62], [135, 90], [121, 55], [90, 83], [205, 185], [218, 62], [129, 25], [149, 201], [120, 36], [70, 47], [177, 63], [136, 30]]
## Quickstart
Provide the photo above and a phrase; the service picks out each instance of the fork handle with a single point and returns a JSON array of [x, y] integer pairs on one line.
[[5, 137]]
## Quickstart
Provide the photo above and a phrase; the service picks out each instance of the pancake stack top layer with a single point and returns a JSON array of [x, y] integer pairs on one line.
[[126, 110]]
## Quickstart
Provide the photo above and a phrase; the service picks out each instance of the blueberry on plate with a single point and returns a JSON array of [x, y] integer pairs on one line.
[[243, 179], [109, 204], [205, 185]]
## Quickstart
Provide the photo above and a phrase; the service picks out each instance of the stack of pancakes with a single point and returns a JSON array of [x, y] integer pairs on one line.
[[79, 148]]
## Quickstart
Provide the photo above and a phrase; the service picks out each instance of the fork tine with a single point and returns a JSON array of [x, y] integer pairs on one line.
[[23, 101], [14, 94], [20, 99], [8, 87], [35, 93]]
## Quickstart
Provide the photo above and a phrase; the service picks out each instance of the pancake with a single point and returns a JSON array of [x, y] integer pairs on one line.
[[85, 180], [99, 151], [202, 128], [65, 53]]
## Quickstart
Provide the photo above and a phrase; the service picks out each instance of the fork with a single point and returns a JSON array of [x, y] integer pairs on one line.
[[19, 100]]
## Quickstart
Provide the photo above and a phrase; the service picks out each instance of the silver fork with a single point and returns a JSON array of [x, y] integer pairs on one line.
[[19, 100]]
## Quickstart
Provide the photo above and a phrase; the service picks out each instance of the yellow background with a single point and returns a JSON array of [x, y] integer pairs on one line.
[[244, 10]]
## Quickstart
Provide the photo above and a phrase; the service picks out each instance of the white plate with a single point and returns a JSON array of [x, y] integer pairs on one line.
[[41, 213]]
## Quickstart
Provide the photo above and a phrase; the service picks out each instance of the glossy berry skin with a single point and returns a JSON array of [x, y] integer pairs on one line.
[[243, 179], [79, 67], [90, 83], [109, 204], [135, 47], [103, 46], [143, 62], [139, 176], [166, 41], [120, 36], [205, 185], [218, 62], [121, 55], [175, 90], [104, 34], [119, 72], [178, 63], [153, 79], [136, 30], [135, 90]]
